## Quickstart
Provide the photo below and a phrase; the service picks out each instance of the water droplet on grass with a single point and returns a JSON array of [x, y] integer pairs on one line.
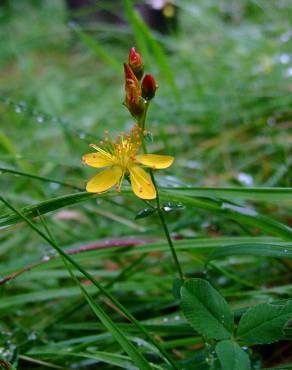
[[271, 121], [32, 336], [284, 58], [285, 37], [18, 109], [245, 179], [40, 119], [241, 210], [289, 72], [54, 185]]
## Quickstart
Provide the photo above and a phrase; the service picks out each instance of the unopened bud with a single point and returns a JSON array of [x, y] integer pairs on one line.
[[149, 87], [133, 99], [136, 64]]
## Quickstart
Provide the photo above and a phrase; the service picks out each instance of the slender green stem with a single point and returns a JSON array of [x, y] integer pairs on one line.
[[165, 228], [159, 209]]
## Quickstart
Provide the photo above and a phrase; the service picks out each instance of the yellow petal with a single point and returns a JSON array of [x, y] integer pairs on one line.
[[155, 161], [97, 160], [104, 180], [141, 183]]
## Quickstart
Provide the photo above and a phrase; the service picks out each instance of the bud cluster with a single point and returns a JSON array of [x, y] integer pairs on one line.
[[137, 93]]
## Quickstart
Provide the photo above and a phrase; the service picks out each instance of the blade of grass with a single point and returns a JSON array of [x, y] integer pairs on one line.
[[95, 47], [104, 291], [127, 346]]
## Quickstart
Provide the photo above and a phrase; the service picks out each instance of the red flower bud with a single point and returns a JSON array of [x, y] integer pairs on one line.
[[133, 100], [136, 64], [149, 87]]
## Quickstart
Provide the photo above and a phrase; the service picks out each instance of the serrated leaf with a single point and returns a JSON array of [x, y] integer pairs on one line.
[[146, 212], [206, 310], [264, 323], [231, 356]]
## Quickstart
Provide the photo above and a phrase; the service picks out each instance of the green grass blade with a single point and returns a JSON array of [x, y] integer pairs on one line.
[[127, 346], [93, 280], [96, 48]]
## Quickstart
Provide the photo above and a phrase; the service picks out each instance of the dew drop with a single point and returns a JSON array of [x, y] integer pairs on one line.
[[245, 179], [32, 336], [289, 72], [72, 24], [18, 109], [285, 251], [82, 135], [285, 37], [271, 121], [165, 319], [40, 119], [54, 185], [284, 58], [46, 258]]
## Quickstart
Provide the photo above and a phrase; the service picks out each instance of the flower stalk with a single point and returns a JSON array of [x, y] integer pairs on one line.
[[160, 213]]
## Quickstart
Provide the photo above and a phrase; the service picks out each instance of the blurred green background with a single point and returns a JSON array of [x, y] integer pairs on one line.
[[223, 109]]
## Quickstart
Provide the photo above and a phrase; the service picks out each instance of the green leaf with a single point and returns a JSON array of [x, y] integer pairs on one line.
[[206, 310], [287, 330], [231, 356], [261, 194], [242, 215], [176, 287], [255, 249], [264, 323], [45, 207], [96, 47], [103, 290], [116, 332]]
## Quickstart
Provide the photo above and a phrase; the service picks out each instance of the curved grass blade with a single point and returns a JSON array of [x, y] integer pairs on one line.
[[254, 249], [244, 215], [96, 48], [45, 207], [127, 346], [36, 177], [103, 290], [267, 195]]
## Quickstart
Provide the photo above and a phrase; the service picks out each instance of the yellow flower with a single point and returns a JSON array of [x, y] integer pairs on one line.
[[120, 159]]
